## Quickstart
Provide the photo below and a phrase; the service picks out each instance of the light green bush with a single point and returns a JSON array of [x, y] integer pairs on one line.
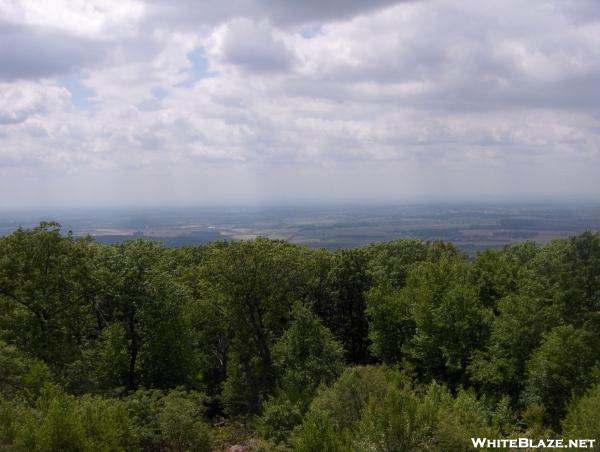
[[583, 416], [278, 419]]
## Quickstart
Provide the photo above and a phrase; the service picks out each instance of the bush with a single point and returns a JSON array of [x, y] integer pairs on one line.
[[335, 410], [180, 422], [461, 418], [278, 419], [172, 420], [374, 408], [344, 401], [583, 416], [65, 423], [331, 421], [395, 423], [318, 434]]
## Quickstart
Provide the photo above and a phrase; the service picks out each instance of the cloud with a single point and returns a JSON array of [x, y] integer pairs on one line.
[[32, 52], [379, 97], [20, 101], [91, 18], [318, 10], [249, 45], [199, 13]]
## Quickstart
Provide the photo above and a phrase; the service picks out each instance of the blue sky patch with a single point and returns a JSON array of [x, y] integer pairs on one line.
[[81, 95], [310, 31], [199, 69]]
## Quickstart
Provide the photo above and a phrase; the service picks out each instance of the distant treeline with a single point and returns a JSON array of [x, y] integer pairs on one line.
[[399, 346]]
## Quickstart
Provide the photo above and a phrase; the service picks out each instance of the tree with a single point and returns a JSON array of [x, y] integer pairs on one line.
[[146, 305], [257, 283], [306, 356], [391, 324], [47, 292], [581, 281], [348, 282], [389, 263], [515, 332], [565, 365], [450, 323]]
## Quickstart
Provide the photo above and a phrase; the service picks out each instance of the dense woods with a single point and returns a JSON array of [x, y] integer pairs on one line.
[[398, 346]]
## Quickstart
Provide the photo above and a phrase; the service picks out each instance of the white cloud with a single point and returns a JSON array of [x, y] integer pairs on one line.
[[84, 17], [19, 101], [418, 97]]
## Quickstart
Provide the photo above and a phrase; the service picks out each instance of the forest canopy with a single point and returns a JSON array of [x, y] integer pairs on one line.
[[405, 345]]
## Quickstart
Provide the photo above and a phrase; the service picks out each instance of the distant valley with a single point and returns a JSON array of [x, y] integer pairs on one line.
[[472, 227]]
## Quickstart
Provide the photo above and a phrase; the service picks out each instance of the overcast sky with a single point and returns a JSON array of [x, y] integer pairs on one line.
[[106, 102]]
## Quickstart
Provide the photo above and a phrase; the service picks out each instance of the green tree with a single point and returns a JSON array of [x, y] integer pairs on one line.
[[515, 332], [47, 291], [256, 283], [581, 281], [563, 366], [450, 322], [348, 282], [152, 341], [306, 356], [391, 323], [389, 263], [169, 420]]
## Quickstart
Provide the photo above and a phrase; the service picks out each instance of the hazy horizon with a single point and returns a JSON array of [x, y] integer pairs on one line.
[[472, 227], [480, 202]]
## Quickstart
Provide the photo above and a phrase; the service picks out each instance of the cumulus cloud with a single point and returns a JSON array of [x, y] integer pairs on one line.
[[92, 18], [250, 45], [19, 101], [29, 52], [380, 98]]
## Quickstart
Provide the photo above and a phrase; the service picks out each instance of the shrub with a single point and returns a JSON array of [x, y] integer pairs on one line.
[[583, 416], [461, 418], [330, 422], [344, 401], [395, 423], [65, 423], [172, 420], [20, 375], [278, 419], [318, 434]]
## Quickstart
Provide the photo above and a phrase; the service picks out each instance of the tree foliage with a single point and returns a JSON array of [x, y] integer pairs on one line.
[[407, 345]]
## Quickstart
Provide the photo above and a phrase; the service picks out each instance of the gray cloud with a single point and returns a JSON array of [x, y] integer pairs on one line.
[[317, 10], [29, 51], [195, 13], [251, 46]]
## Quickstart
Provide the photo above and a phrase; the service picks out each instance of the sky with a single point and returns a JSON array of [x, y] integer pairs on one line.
[[154, 102]]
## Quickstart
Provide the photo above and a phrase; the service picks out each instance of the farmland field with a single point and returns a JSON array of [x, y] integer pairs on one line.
[[471, 227]]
